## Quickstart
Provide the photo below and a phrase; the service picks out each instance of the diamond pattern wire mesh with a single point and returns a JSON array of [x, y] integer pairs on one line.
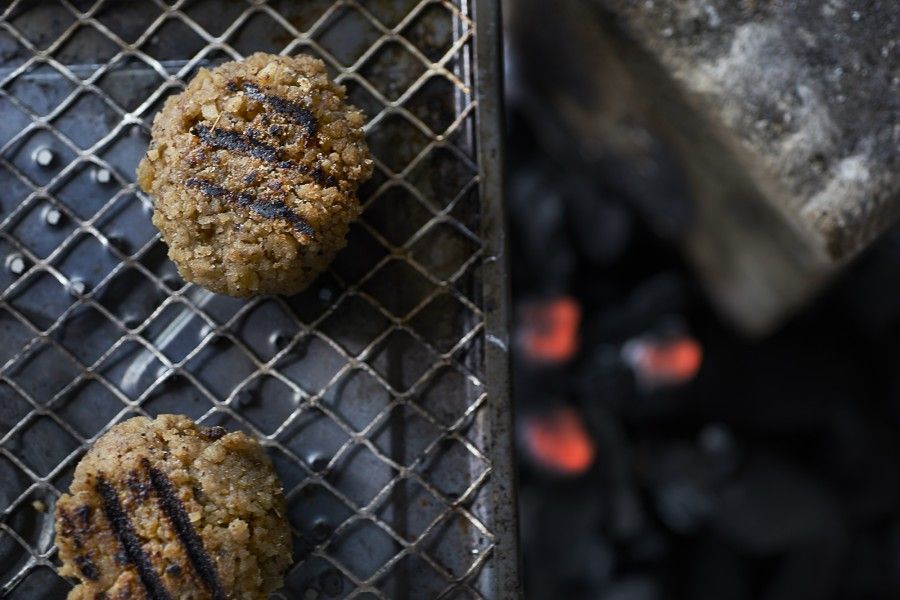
[[368, 390]]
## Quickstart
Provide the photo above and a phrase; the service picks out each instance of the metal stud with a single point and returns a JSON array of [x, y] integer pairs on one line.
[[77, 287], [15, 263], [52, 216], [102, 176], [43, 156]]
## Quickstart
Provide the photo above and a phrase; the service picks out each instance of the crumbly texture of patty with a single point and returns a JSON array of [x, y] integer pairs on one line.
[[165, 509], [254, 170]]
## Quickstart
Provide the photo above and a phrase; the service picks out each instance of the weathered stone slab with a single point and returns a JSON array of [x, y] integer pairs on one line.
[[784, 114]]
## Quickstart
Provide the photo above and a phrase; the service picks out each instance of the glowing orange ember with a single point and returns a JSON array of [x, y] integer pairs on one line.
[[665, 362], [559, 441], [549, 330]]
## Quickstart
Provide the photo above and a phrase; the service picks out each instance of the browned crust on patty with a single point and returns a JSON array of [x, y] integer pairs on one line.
[[254, 170], [164, 509]]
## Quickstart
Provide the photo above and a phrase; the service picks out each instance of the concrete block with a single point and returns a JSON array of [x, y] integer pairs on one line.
[[784, 115]]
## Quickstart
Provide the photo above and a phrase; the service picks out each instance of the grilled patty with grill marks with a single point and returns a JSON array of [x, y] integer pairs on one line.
[[164, 509], [254, 169]]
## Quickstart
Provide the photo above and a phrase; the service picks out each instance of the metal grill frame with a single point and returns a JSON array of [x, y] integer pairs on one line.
[[494, 571]]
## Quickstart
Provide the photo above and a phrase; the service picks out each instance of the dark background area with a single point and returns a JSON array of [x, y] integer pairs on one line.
[[771, 472]]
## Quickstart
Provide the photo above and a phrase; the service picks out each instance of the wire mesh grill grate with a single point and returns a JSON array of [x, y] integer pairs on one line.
[[369, 390]]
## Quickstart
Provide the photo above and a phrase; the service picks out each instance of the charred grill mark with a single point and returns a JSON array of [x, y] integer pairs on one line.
[[121, 526], [184, 529], [294, 111], [138, 486], [279, 210], [67, 529], [83, 514], [225, 139], [207, 188], [87, 568], [322, 178], [250, 144], [213, 433], [275, 209], [78, 527], [195, 157]]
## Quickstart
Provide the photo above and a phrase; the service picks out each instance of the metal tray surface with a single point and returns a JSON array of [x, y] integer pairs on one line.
[[380, 393]]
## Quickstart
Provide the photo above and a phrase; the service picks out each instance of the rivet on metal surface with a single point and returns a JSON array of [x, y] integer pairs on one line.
[[318, 463], [280, 340], [244, 398], [119, 243], [77, 287], [52, 216], [102, 176], [15, 263], [43, 156], [321, 530]]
